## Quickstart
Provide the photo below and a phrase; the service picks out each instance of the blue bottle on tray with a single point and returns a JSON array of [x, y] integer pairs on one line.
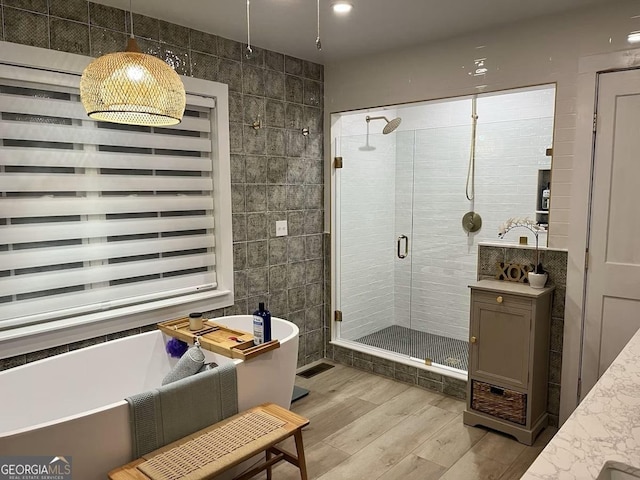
[[261, 325]]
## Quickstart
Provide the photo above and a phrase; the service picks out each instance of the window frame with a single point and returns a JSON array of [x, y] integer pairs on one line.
[[44, 65]]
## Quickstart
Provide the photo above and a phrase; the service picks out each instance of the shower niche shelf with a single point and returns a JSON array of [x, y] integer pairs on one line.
[[542, 200]]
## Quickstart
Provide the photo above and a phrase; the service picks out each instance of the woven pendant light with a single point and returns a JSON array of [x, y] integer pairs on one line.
[[132, 87]]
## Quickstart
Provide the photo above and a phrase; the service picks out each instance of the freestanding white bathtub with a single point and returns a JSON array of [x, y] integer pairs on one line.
[[73, 404]]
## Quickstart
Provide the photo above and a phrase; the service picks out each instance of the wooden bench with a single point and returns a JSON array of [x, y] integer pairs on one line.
[[219, 447]]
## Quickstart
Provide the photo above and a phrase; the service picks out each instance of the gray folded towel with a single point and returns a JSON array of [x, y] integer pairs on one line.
[[181, 408], [146, 431]]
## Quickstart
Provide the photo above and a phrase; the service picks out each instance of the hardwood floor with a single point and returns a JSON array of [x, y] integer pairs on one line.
[[364, 426]]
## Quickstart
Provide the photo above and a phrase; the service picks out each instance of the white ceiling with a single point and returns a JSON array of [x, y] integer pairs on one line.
[[289, 26]]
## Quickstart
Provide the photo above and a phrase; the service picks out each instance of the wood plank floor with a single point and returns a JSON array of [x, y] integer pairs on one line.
[[364, 426]]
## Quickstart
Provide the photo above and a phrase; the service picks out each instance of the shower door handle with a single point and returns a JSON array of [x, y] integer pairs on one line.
[[406, 246]]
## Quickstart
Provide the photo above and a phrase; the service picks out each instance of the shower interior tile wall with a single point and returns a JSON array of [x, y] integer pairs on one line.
[[425, 179], [513, 133], [277, 173]]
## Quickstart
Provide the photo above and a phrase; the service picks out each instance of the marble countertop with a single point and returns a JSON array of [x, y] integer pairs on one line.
[[605, 427]]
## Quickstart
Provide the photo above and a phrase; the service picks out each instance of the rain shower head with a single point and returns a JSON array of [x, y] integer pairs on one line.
[[391, 124]]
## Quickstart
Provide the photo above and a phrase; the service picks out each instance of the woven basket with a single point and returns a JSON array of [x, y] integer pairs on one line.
[[499, 402]]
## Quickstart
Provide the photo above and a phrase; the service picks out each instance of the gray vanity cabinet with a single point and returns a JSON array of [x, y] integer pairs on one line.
[[508, 358]]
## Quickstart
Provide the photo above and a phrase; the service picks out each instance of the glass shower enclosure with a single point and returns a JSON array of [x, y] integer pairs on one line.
[[402, 261]]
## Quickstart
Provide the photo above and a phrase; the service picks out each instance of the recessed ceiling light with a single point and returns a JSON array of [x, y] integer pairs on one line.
[[342, 7]]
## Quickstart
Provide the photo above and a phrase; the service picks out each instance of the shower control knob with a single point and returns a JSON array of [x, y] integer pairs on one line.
[[499, 299], [473, 340]]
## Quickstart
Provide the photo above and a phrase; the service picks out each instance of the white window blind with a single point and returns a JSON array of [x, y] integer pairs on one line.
[[96, 216]]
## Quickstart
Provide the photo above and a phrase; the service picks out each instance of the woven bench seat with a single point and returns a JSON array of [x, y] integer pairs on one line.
[[219, 447]]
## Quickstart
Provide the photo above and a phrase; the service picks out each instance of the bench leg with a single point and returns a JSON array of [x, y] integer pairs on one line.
[[302, 464], [268, 457]]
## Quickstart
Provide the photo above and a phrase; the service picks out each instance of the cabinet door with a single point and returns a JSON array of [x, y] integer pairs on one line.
[[500, 353]]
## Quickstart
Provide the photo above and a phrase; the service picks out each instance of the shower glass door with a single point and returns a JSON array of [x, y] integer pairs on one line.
[[404, 263], [402, 275], [373, 222]]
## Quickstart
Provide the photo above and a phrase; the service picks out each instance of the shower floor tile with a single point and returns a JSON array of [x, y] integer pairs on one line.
[[414, 343]]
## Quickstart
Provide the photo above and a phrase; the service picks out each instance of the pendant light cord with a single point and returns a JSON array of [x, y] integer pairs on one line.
[[471, 173], [248, 24], [248, 53], [131, 16], [318, 42]]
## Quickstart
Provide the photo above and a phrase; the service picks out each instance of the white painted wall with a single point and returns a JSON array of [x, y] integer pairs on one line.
[[544, 50]]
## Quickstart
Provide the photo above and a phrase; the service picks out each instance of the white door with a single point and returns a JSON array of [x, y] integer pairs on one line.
[[612, 310]]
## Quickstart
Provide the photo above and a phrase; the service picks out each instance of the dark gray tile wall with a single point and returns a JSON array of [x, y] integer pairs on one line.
[[555, 264], [276, 172]]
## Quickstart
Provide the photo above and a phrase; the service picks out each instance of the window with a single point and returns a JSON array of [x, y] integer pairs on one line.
[[102, 221]]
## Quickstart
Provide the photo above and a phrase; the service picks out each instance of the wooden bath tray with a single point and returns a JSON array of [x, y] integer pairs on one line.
[[218, 338]]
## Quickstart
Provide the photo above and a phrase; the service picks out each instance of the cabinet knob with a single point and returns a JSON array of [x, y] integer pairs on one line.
[[499, 299], [473, 340]]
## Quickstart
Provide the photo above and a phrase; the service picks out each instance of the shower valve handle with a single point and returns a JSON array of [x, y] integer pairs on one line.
[[406, 246]]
